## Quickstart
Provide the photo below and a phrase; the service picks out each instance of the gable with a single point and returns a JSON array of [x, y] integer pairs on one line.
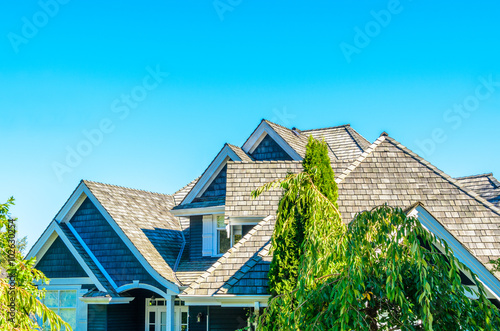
[[108, 248], [59, 262], [218, 186], [269, 150]]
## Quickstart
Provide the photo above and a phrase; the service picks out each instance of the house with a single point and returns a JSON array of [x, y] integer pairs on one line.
[[126, 259]]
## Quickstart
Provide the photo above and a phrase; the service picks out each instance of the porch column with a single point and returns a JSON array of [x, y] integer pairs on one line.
[[170, 312]]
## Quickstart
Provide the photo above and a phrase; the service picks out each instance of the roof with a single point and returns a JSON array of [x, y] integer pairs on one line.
[[145, 219], [294, 138], [181, 194], [244, 177], [241, 153], [487, 186], [344, 141], [390, 173], [239, 267]]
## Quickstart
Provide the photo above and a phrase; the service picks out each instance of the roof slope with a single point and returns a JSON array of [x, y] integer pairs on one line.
[[292, 137], [344, 141], [238, 262], [145, 219], [390, 173], [487, 186], [181, 194], [244, 177]]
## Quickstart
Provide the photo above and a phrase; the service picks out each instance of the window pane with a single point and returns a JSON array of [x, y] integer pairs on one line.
[[220, 221], [152, 317], [67, 299], [69, 316], [224, 241], [184, 318], [51, 299], [163, 317]]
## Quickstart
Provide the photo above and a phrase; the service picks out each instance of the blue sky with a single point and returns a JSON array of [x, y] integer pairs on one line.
[[168, 83]]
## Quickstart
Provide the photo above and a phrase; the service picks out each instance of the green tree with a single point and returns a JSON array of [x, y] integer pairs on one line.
[[382, 272], [21, 295]]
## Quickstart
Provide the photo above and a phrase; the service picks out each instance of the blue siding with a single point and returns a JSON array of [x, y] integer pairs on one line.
[[227, 319], [97, 317], [107, 246], [193, 316], [59, 262], [269, 150], [218, 186]]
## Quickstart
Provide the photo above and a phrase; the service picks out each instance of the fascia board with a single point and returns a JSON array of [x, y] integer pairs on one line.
[[490, 282], [198, 211], [213, 169]]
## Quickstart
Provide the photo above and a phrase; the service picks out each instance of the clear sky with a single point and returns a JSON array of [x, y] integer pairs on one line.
[[148, 92]]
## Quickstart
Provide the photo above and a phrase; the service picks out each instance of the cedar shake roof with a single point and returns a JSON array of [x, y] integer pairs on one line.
[[344, 141], [487, 186], [390, 173], [240, 269], [145, 219], [244, 177], [240, 152], [181, 194], [296, 140], [387, 172]]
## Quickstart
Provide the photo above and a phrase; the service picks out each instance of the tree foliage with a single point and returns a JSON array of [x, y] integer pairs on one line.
[[383, 271], [24, 293]]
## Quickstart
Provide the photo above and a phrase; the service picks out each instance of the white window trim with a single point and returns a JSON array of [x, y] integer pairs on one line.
[[81, 307]]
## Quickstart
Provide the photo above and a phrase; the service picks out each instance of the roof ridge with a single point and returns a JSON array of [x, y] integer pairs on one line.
[[226, 255], [85, 181], [360, 159], [281, 126], [475, 176], [445, 176], [330, 127]]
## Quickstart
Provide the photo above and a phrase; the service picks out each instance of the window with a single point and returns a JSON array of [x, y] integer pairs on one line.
[[63, 303], [223, 242]]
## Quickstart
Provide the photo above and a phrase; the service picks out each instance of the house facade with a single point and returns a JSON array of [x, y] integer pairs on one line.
[[126, 259]]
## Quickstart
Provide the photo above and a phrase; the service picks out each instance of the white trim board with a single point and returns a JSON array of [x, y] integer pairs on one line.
[[226, 300], [490, 282], [48, 238], [265, 129], [212, 171], [198, 211]]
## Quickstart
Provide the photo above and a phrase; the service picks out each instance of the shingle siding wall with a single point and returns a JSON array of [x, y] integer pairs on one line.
[[226, 319], [108, 247], [269, 150], [218, 186], [97, 318], [195, 237], [59, 262], [193, 316], [124, 317]]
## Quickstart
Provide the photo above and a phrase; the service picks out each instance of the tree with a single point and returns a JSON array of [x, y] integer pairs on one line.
[[20, 303], [382, 272]]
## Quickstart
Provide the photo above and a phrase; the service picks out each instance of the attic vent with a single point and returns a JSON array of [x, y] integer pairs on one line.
[[296, 131]]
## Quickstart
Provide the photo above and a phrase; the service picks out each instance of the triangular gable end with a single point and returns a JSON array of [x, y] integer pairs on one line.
[[70, 208], [265, 130], [214, 173], [59, 262]]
